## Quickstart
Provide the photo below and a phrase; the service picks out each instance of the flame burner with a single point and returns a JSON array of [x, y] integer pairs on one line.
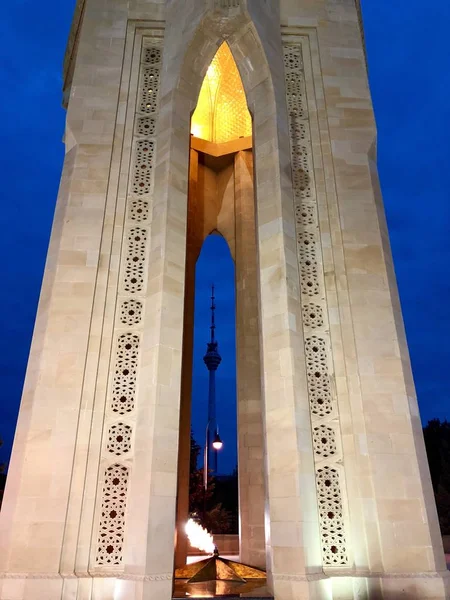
[[214, 571], [216, 568]]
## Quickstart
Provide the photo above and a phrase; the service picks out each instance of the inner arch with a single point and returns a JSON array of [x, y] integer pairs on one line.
[[222, 114], [221, 199]]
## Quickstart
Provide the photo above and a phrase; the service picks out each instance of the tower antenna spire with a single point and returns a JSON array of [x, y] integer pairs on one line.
[[213, 308]]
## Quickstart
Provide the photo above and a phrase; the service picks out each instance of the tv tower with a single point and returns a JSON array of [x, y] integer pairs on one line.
[[212, 361]]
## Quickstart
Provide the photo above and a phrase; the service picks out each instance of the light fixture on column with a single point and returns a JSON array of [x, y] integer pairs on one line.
[[217, 442]]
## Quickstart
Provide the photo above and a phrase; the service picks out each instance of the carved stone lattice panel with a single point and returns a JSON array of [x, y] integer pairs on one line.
[[131, 312], [143, 166], [295, 97], [226, 4], [146, 126], [118, 436], [300, 158], [324, 440], [319, 364], [149, 90], [112, 520], [309, 272], [293, 63], [119, 439], [312, 315], [316, 355], [151, 55], [319, 389], [318, 377], [334, 549], [124, 381], [138, 210], [305, 214], [307, 246], [298, 130], [135, 260], [302, 183]]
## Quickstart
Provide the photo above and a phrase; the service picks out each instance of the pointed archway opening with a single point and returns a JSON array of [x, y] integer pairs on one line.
[[221, 114], [213, 398], [221, 199]]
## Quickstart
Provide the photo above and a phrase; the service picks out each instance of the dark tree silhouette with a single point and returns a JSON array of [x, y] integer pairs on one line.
[[226, 493], [206, 506], [197, 498], [437, 443]]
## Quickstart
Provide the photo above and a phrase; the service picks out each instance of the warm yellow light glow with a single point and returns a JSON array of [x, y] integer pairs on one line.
[[196, 130], [222, 114]]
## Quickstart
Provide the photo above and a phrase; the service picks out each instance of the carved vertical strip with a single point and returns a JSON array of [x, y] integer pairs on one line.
[[319, 364], [130, 307]]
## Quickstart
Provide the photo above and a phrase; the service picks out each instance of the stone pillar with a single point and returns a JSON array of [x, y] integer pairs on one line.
[[192, 250], [249, 400], [40, 517]]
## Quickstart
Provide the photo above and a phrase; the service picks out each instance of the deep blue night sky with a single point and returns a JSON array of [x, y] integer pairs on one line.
[[410, 80]]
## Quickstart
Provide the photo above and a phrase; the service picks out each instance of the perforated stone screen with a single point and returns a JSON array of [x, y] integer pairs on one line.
[[119, 439], [124, 381], [331, 517], [319, 366], [130, 300], [135, 260], [112, 522]]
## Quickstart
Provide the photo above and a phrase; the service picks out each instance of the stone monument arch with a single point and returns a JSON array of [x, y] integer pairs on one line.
[[90, 508], [225, 163]]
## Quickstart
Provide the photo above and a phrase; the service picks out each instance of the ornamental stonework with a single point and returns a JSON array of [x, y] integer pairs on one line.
[[130, 308], [319, 364]]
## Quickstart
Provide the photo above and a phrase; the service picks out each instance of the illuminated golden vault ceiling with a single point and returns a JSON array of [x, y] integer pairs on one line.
[[221, 114]]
